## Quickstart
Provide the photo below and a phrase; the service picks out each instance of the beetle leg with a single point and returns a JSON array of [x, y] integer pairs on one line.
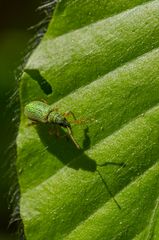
[[54, 131], [79, 121], [71, 136], [57, 132], [76, 121], [66, 114]]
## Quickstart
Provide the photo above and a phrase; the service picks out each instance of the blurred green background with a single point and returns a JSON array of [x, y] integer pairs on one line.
[[15, 19]]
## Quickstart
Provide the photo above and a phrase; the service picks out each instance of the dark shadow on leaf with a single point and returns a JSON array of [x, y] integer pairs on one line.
[[86, 141], [44, 85], [64, 149]]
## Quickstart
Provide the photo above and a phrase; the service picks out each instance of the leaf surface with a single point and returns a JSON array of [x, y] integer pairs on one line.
[[105, 69]]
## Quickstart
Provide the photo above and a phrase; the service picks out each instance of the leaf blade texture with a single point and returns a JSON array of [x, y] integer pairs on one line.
[[105, 69]]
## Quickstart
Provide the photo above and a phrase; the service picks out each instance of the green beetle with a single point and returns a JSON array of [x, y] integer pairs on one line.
[[38, 111]]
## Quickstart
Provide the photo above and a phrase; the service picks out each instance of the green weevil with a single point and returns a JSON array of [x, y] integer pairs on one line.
[[41, 112]]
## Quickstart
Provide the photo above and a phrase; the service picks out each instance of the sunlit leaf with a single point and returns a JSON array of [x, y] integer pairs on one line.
[[105, 69]]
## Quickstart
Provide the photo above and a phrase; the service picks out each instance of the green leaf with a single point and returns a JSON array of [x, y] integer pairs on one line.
[[107, 73]]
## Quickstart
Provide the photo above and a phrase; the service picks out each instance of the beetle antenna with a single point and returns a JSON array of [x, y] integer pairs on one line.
[[71, 136], [106, 185]]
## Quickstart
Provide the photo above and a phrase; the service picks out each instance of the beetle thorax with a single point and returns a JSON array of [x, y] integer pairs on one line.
[[54, 117], [58, 119]]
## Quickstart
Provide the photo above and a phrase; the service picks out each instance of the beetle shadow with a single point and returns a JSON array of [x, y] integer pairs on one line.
[[63, 148]]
